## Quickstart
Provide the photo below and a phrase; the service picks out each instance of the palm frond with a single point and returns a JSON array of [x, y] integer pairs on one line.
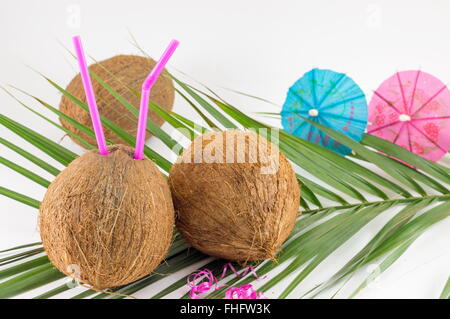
[[446, 291], [340, 196]]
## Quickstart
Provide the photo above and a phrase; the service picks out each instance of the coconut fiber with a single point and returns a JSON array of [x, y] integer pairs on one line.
[[125, 74], [111, 217], [235, 195]]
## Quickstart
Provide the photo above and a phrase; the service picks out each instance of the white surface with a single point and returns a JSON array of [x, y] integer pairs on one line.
[[259, 47]]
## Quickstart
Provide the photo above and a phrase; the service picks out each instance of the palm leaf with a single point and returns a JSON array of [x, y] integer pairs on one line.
[[340, 196], [446, 291]]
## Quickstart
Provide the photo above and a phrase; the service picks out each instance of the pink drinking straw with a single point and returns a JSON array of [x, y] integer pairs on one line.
[[145, 97], [90, 97]]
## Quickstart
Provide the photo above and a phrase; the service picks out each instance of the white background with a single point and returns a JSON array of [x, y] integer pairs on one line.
[[259, 47]]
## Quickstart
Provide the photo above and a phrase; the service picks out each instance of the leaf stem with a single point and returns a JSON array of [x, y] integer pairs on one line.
[[364, 204]]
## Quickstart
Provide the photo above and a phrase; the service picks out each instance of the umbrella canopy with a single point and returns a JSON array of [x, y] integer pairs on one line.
[[329, 98], [412, 110]]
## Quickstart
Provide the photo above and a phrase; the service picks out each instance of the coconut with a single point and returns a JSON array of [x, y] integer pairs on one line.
[[235, 196], [125, 74], [107, 219]]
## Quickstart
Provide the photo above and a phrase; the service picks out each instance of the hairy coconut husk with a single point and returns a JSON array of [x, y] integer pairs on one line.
[[122, 73], [239, 201], [109, 216]]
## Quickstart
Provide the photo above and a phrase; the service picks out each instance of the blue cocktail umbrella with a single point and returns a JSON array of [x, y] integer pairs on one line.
[[329, 98]]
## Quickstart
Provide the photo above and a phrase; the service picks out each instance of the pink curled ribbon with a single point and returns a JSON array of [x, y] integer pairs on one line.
[[209, 281], [243, 292]]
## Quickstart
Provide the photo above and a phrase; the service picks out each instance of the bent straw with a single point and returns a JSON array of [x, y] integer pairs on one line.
[[145, 97], [90, 97]]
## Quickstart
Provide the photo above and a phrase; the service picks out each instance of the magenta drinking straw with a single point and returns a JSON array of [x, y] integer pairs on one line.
[[145, 97], [90, 97]]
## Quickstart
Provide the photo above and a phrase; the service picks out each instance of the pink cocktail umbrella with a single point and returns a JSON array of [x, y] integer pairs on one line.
[[412, 110]]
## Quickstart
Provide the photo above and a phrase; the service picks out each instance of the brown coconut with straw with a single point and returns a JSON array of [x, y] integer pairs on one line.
[[125, 75], [110, 216], [235, 195], [107, 219]]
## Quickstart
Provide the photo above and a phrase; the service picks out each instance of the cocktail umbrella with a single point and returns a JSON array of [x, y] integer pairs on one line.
[[412, 109], [329, 98]]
